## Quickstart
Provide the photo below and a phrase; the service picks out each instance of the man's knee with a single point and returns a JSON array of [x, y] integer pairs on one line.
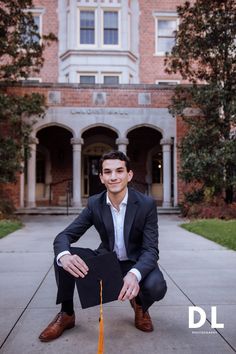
[[154, 285]]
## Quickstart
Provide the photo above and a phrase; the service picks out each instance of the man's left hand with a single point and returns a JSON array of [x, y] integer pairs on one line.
[[130, 288]]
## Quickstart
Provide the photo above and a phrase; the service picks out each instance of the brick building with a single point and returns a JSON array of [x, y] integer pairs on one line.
[[106, 88]]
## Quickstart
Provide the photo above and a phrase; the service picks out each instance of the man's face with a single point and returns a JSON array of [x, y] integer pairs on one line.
[[115, 176]]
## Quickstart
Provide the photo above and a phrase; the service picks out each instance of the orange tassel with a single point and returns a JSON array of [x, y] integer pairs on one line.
[[101, 326]]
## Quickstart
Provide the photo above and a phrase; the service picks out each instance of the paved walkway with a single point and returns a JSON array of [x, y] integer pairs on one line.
[[198, 272]]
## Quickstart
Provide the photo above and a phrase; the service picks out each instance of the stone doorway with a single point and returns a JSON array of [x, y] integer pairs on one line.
[[97, 141], [53, 167]]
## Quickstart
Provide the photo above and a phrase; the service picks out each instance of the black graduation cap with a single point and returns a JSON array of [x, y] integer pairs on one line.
[[103, 267]]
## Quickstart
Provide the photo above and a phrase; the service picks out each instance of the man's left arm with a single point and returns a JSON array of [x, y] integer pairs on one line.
[[149, 250], [148, 257]]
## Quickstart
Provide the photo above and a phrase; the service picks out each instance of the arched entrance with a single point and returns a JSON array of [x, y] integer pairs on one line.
[[97, 141], [53, 166], [145, 152]]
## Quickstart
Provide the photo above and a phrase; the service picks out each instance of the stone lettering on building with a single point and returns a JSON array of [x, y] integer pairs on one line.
[[99, 111]]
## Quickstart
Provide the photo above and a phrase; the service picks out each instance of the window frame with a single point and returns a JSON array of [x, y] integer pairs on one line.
[[38, 13], [168, 82], [89, 45], [85, 73], [103, 74], [163, 17], [110, 46]]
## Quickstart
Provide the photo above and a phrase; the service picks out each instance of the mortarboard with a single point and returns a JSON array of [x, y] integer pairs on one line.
[[103, 267]]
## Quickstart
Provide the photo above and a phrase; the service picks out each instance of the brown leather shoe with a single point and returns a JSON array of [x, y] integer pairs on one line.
[[60, 323], [142, 319]]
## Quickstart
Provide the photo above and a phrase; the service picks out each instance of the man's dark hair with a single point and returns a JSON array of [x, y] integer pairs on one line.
[[114, 155]]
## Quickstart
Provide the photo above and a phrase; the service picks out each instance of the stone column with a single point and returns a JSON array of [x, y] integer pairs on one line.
[[31, 174], [77, 147], [175, 174], [22, 186], [122, 144], [166, 149]]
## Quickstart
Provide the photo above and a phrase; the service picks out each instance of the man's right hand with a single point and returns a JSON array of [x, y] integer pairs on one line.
[[74, 265]]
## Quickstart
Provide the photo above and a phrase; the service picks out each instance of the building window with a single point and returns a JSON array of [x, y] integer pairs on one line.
[[111, 80], [87, 79], [87, 27], [167, 82], [165, 34], [36, 28], [37, 20], [110, 29]]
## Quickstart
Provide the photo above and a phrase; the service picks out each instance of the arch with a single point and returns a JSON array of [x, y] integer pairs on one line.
[[53, 124], [142, 125], [97, 139], [97, 125], [56, 165], [143, 138]]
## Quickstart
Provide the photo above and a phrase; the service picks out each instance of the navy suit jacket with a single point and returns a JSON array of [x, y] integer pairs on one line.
[[140, 229]]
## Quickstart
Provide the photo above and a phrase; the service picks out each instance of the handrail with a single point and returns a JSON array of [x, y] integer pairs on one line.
[[68, 192]]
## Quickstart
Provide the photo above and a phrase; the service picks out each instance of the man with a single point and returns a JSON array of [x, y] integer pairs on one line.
[[126, 221]]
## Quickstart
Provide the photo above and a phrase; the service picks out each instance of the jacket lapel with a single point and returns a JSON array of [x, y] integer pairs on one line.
[[131, 210], [108, 222]]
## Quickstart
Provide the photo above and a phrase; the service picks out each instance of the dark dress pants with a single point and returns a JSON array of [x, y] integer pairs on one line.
[[152, 287]]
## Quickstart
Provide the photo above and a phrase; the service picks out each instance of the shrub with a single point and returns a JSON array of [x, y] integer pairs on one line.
[[206, 210]]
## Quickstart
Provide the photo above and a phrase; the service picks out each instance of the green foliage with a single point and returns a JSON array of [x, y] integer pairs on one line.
[[21, 46], [21, 55], [9, 226], [196, 196], [205, 55], [16, 120], [6, 205], [220, 231]]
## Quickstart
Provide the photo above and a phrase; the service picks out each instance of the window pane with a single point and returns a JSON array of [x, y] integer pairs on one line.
[[28, 36], [166, 35], [87, 36], [110, 36], [111, 80], [87, 79], [87, 27], [166, 28], [37, 23], [110, 19], [110, 27], [165, 44], [169, 83]]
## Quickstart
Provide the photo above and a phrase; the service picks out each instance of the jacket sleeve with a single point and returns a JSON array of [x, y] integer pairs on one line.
[[73, 232]]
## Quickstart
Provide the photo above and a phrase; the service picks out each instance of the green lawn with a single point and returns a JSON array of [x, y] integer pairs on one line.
[[8, 226], [220, 231]]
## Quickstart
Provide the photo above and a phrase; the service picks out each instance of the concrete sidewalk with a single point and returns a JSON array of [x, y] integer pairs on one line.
[[198, 272]]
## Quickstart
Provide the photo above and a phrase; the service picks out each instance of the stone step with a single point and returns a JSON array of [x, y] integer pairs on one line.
[[59, 210]]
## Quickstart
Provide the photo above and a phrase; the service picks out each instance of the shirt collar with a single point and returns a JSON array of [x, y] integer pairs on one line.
[[123, 202]]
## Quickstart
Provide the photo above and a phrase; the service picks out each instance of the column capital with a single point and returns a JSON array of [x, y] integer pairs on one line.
[[33, 140], [167, 141], [122, 141], [76, 141]]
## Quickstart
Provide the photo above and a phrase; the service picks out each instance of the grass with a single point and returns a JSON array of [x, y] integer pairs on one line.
[[219, 231], [8, 226]]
